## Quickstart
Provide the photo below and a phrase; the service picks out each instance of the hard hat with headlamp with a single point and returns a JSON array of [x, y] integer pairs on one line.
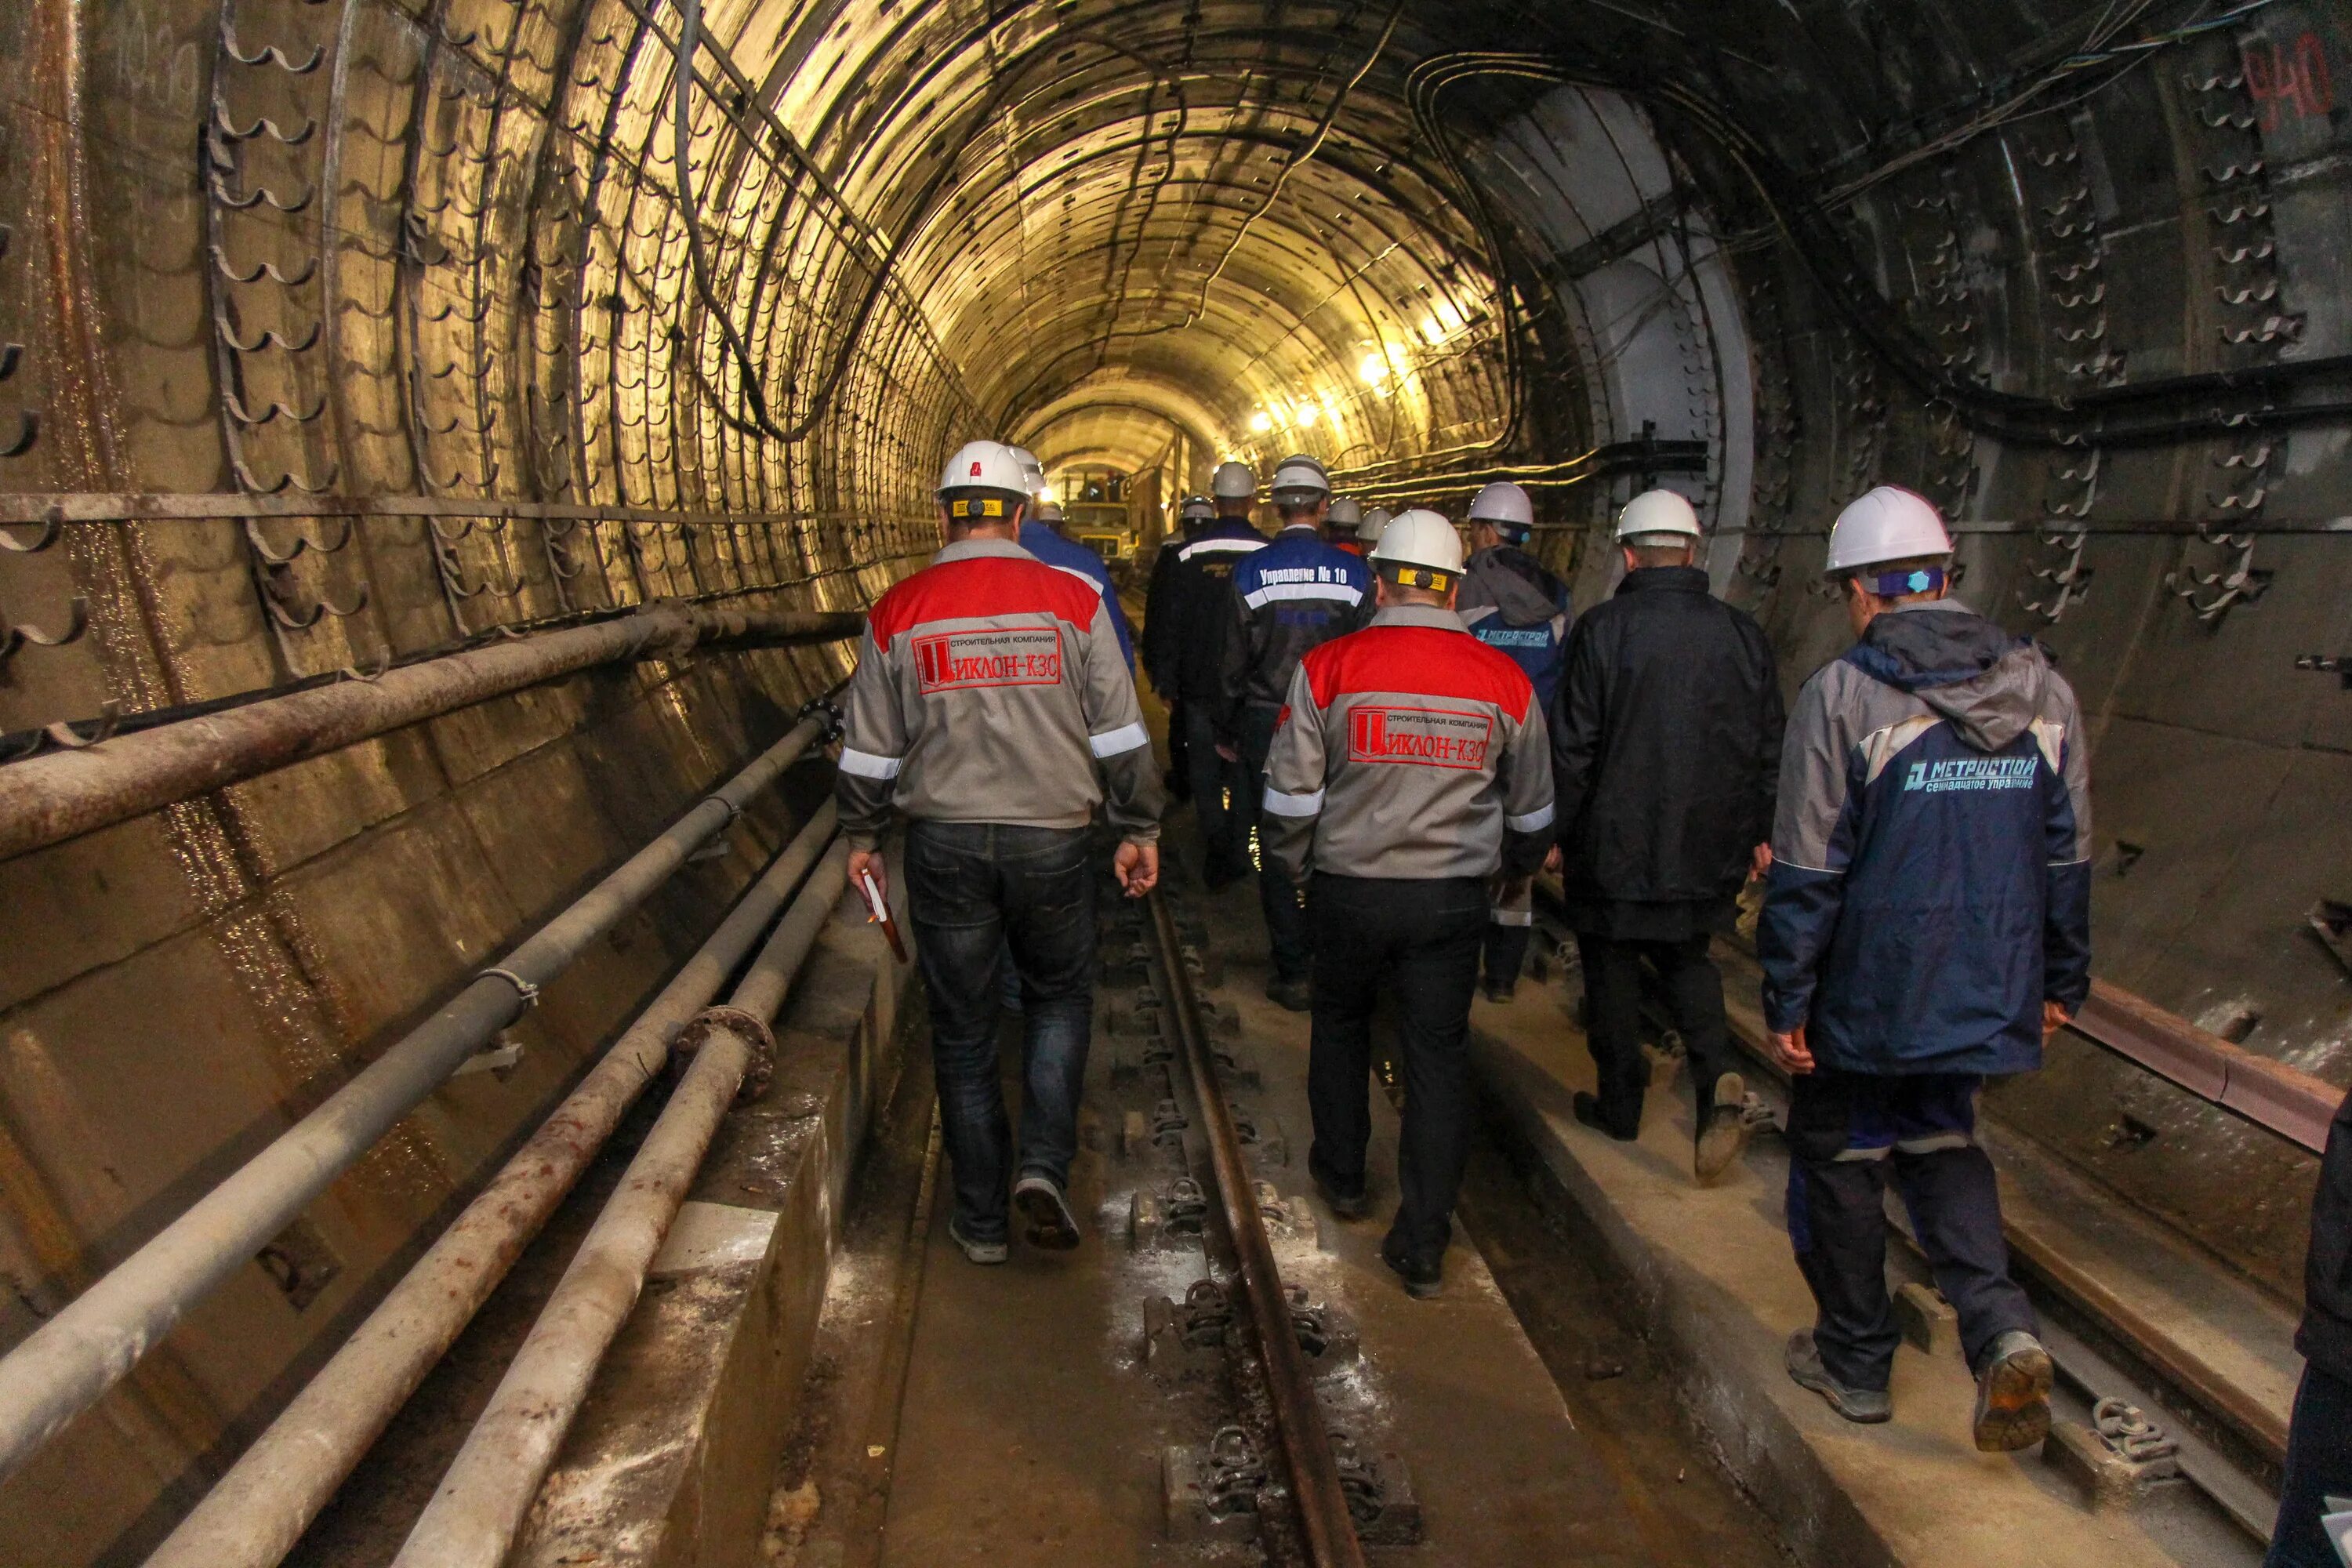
[[1233, 482], [1419, 549], [983, 482], [1503, 507], [1299, 480], [1891, 525]]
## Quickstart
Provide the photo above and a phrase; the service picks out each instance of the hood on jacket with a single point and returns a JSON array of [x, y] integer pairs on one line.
[[1522, 590], [1986, 681]]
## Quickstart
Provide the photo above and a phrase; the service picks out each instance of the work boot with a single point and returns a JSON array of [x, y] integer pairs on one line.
[[2013, 1395], [1423, 1276], [1293, 994], [1347, 1204], [1722, 1128], [1587, 1110], [1866, 1406], [1499, 989], [974, 1250], [1053, 1224]]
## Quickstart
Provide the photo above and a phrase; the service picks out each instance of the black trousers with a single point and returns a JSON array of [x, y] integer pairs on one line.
[[1179, 753], [1421, 937], [2318, 1466], [1848, 1134], [1224, 829], [1286, 927], [1613, 991], [1506, 951]]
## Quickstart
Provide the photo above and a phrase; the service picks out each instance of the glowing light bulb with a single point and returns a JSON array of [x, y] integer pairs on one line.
[[1374, 370], [1307, 414], [1261, 422]]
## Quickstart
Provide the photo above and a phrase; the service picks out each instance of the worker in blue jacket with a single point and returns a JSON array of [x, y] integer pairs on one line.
[[1926, 924], [1288, 600], [1514, 607], [1043, 538]]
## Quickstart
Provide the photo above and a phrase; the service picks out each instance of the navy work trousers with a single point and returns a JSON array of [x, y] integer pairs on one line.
[[1287, 925], [1423, 937], [1224, 827], [1848, 1131], [974, 890], [2318, 1466]]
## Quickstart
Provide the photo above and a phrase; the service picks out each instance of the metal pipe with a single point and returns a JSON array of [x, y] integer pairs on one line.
[[64, 1367], [47, 799], [1315, 1488], [254, 1513], [479, 1506]]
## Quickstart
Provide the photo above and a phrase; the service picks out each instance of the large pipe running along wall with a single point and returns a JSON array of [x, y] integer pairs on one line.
[[2070, 274]]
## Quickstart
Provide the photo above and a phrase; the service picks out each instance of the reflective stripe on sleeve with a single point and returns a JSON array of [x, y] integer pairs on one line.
[[866, 765], [1126, 737], [1534, 821], [1345, 594], [1221, 545], [1282, 805]]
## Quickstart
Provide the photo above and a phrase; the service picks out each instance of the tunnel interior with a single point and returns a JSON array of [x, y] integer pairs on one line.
[[341, 332]]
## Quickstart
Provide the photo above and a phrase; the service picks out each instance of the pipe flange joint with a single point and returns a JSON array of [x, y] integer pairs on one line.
[[820, 708], [759, 1045]]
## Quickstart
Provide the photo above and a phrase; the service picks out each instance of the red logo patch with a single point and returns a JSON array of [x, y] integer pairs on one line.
[[956, 661], [975, 469], [1430, 737]]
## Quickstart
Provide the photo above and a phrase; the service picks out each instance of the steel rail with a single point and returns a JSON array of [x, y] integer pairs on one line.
[[46, 800], [254, 1515], [68, 1364], [1315, 1489], [479, 1507]]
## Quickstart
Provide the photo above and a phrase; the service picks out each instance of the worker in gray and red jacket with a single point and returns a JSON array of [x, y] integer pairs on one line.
[[1411, 770], [991, 707]]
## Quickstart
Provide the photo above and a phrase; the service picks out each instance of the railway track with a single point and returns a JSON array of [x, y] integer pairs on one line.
[[1313, 1495]]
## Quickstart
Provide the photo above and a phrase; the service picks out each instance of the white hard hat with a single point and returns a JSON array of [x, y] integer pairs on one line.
[[1030, 467], [1198, 508], [1375, 523], [1890, 523], [1505, 506], [1657, 512], [1300, 479], [1345, 512], [1233, 482], [1420, 550], [983, 480], [1049, 512]]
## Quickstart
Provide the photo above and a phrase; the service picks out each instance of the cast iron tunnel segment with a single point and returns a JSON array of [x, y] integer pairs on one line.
[[1316, 1492]]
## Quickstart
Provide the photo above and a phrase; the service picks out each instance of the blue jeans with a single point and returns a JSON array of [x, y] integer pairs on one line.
[[972, 890], [2318, 1466]]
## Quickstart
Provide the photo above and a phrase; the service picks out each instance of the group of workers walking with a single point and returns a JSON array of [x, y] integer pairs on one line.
[[1407, 733]]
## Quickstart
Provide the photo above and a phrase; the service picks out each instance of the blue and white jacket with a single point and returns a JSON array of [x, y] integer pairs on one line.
[[1039, 539], [1931, 880], [1290, 598], [1516, 607]]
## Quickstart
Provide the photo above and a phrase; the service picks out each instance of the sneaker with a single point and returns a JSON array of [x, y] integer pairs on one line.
[[1587, 1110], [1346, 1205], [2013, 1395], [1423, 1276], [976, 1251], [1293, 994], [1866, 1406], [1500, 990], [1053, 1224], [1722, 1129]]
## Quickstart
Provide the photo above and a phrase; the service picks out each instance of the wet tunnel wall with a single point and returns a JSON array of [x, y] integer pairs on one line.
[[356, 330]]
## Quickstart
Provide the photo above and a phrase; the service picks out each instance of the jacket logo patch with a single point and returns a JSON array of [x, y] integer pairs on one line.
[[1971, 773], [1432, 737], [1022, 656]]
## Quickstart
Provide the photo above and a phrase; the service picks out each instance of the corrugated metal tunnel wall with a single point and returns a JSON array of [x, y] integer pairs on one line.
[[409, 291]]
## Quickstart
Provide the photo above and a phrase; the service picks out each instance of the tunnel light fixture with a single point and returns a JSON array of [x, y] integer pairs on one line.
[[1307, 414], [1261, 422], [1374, 370]]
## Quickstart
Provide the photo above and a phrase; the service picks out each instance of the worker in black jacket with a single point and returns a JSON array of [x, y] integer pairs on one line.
[[1183, 652], [2319, 1440], [1666, 737], [1158, 644]]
